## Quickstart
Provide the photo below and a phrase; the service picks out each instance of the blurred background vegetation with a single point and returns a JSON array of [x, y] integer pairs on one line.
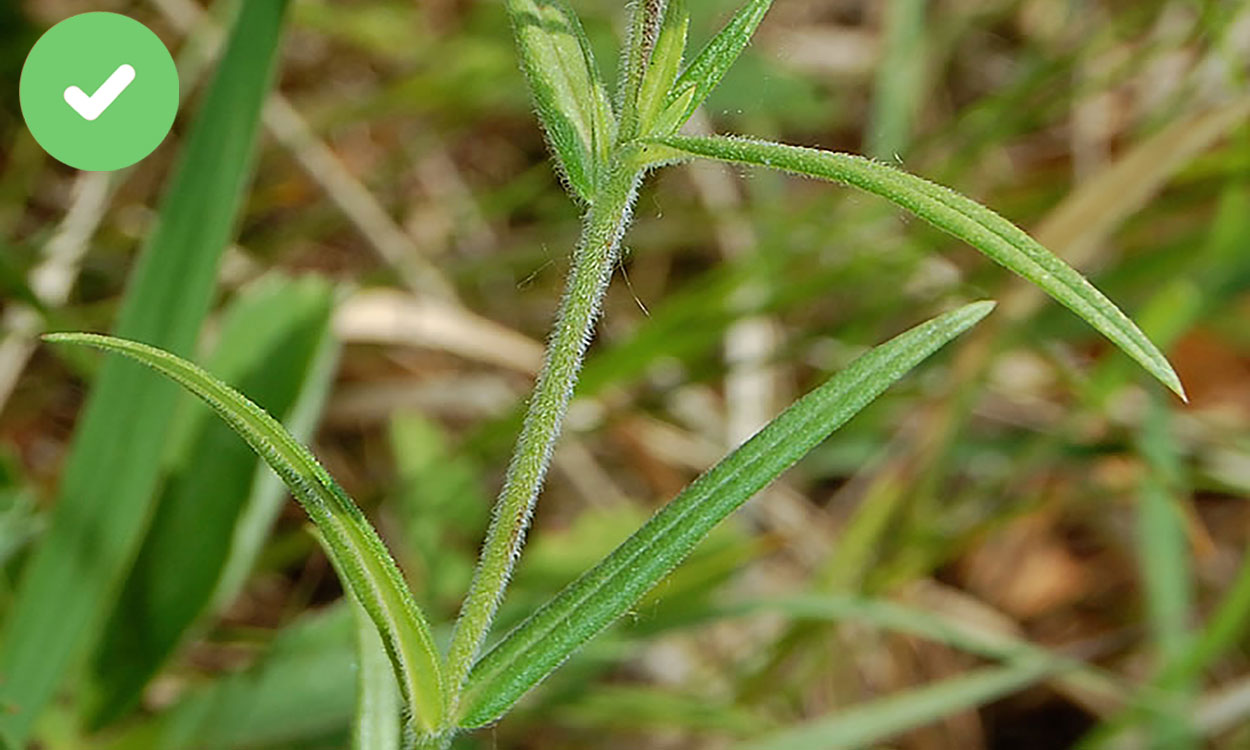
[[392, 268]]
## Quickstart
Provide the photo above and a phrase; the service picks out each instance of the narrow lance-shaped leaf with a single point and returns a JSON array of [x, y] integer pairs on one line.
[[368, 570], [999, 239], [664, 64], [645, 19], [268, 345], [940, 628], [710, 65], [571, 98], [542, 642]]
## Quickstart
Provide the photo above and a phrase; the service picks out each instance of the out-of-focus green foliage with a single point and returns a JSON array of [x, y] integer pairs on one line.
[[107, 490], [1012, 489]]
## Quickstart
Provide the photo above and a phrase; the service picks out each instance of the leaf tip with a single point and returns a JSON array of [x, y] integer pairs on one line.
[[99, 341], [981, 308], [970, 314], [1174, 384], [1161, 369]]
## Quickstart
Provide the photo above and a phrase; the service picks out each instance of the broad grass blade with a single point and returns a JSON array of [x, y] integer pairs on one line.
[[268, 495], [869, 724], [268, 347], [542, 642], [567, 87], [999, 239], [367, 568], [107, 487], [302, 689]]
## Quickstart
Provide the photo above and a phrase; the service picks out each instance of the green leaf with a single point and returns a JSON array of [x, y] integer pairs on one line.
[[538, 645], [631, 709], [302, 688], [868, 724], [900, 84], [1163, 549], [572, 100], [268, 494], [645, 20], [710, 65], [368, 570], [20, 522], [665, 62], [108, 486], [269, 344], [939, 628], [999, 239], [377, 725]]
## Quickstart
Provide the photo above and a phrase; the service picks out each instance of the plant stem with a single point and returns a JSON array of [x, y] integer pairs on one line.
[[588, 279], [429, 741]]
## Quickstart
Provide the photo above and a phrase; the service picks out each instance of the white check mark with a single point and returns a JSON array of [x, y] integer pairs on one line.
[[91, 107]]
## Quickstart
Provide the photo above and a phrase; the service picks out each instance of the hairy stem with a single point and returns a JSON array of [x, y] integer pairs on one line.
[[574, 327], [440, 741]]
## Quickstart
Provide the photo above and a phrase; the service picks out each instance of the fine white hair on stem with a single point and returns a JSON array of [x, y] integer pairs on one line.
[[580, 308]]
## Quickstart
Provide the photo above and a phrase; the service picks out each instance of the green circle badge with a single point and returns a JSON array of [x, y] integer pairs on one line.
[[99, 91]]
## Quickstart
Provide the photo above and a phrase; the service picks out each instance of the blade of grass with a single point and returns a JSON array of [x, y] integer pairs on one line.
[[1222, 630], [1163, 550], [1215, 274], [623, 708], [369, 571], [867, 724], [268, 346], [107, 486], [377, 725], [962, 217], [293, 132], [301, 688], [268, 495], [549, 636], [900, 79], [939, 628]]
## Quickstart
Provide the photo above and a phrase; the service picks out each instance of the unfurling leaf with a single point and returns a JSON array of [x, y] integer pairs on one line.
[[367, 568], [664, 64], [572, 101], [999, 239], [541, 643], [709, 66]]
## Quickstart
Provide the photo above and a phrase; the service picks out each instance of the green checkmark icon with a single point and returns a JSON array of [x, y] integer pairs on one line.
[[99, 91]]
